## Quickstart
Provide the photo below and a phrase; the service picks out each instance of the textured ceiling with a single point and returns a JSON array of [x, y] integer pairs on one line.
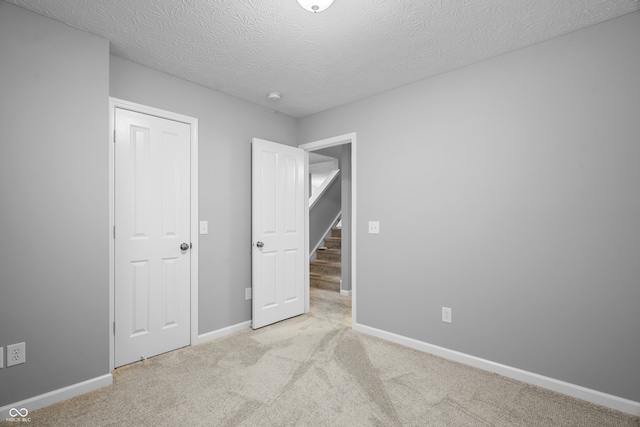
[[354, 49]]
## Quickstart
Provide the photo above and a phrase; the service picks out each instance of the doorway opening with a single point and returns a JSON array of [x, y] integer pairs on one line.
[[345, 145]]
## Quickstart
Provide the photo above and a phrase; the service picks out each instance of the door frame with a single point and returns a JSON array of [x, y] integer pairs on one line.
[[349, 138], [194, 229]]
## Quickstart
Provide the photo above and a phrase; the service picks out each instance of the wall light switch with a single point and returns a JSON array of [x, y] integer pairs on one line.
[[374, 227], [204, 227], [446, 314]]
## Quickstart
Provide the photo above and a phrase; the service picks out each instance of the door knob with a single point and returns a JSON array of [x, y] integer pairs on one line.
[[260, 244], [184, 246]]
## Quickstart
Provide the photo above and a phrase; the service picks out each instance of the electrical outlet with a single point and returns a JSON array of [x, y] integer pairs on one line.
[[446, 314], [16, 354], [1, 357], [247, 293]]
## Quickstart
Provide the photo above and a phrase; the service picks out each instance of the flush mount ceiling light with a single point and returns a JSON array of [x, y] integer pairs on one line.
[[315, 6]]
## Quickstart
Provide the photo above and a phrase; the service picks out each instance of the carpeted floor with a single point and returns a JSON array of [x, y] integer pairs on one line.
[[313, 370]]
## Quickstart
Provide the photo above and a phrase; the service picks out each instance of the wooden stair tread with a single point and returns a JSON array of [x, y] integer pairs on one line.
[[327, 262], [324, 277], [330, 254], [331, 283]]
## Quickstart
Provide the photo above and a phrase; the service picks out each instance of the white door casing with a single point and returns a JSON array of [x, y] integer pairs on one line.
[[278, 232], [152, 221]]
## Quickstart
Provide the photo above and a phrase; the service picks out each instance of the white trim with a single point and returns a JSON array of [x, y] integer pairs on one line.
[[345, 293], [210, 336], [56, 396], [593, 396], [194, 232], [329, 142], [325, 185], [307, 267], [326, 234], [349, 138]]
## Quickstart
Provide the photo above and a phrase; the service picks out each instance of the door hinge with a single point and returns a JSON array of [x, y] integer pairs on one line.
[[114, 136], [114, 328], [114, 232]]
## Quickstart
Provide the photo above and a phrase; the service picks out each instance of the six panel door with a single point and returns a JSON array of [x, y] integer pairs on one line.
[[152, 220]]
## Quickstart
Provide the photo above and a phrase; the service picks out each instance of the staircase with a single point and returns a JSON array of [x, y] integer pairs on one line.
[[325, 271]]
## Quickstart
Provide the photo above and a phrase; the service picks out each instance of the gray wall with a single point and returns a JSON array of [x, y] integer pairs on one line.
[[510, 194], [324, 212], [54, 216], [226, 126], [335, 152]]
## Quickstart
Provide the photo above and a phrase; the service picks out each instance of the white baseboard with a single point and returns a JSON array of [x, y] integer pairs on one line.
[[345, 293], [57, 396], [209, 336], [593, 396]]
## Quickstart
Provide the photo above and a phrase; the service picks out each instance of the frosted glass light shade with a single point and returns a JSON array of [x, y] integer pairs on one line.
[[315, 5]]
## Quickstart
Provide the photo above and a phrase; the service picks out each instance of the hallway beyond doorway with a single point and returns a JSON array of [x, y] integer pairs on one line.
[[330, 305]]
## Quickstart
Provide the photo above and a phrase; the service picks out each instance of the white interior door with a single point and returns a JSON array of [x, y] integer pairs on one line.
[[152, 222], [278, 232]]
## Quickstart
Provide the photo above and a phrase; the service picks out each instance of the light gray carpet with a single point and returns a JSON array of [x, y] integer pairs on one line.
[[313, 370]]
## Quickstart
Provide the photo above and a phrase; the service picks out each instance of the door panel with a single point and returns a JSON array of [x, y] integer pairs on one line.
[[291, 261], [140, 298], [278, 223], [152, 219]]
